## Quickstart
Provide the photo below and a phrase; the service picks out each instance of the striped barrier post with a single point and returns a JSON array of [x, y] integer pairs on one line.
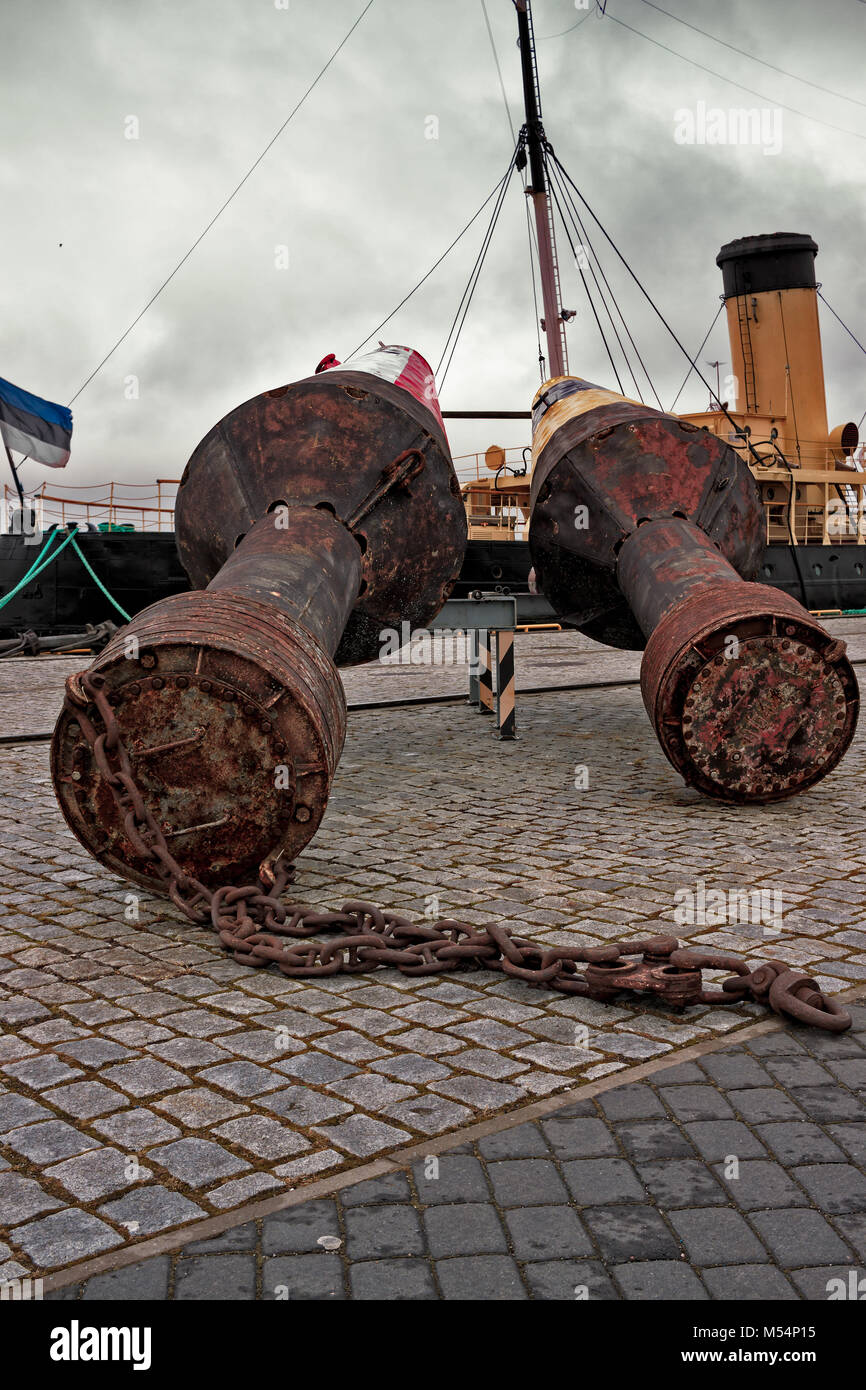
[[505, 699], [485, 673], [474, 695]]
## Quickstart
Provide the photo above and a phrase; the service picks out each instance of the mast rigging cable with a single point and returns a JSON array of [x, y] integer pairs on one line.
[[753, 56], [475, 273]]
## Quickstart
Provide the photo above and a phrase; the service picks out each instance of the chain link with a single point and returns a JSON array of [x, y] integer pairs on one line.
[[258, 929]]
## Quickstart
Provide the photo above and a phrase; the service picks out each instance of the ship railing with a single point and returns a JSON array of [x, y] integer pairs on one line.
[[104, 504], [837, 520], [471, 468]]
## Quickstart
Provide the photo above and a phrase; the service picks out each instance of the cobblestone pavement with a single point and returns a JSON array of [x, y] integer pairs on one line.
[[741, 1176], [147, 1081], [31, 691]]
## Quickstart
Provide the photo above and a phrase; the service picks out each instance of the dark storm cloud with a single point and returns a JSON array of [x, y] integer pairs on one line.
[[365, 203]]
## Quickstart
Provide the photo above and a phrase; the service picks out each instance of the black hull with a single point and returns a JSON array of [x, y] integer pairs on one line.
[[819, 576], [137, 568], [140, 567]]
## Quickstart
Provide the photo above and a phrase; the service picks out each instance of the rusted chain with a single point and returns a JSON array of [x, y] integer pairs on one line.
[[258, 929]]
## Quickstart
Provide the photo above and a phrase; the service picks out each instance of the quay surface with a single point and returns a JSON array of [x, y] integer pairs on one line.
[[173, 1124]]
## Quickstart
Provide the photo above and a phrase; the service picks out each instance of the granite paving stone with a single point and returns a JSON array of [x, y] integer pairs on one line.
[[227, 1277], [526, 1182], [146, 1011], [64, 1237], [451, 1178], [429, 1114], [630, 1232], [796, 1238], [662, 1280], [90, 1176], [198, 1107], [304, 1277], [22, 1198], [136, 1129], [380, 1232], [49, 1142], [716, 1236], [302, 1106], [146, 1210], [480, 1277], [361, 1135], [20, 1110], [835, 1188], [197, 1161], [262, 1136], [387, 1280]]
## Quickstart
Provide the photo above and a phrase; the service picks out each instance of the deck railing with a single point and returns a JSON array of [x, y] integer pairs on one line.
[[471, 467], [146, 506]]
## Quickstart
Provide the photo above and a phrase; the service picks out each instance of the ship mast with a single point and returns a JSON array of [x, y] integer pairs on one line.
[[537, 190]]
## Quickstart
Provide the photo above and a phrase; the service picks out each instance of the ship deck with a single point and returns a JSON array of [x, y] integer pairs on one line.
[[155, 1093]]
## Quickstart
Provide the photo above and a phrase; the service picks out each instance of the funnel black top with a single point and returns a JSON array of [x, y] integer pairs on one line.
[[779, 261]]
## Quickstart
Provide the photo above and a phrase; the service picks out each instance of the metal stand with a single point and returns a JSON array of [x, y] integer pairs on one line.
[[503, 641], [485, 672], [489, 621]]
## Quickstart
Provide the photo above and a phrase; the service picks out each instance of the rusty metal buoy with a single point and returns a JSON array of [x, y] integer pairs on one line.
[[646, 531], [308, 520]]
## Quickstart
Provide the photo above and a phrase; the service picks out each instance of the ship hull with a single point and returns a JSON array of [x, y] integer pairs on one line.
[[139, 568]]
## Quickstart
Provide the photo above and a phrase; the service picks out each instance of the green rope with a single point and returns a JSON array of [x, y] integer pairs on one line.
[[97, 581], [36, 569], [50, 538]]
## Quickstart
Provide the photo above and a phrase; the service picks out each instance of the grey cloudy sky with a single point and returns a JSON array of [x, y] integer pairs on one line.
[[93, 222]]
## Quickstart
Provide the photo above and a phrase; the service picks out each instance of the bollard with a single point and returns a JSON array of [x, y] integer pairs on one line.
[[308, 520], [645, 531]]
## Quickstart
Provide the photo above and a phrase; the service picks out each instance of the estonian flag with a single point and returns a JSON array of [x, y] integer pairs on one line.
[[37, 428]]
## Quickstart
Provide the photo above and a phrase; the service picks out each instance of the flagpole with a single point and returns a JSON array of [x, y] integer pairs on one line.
[[17, 479]]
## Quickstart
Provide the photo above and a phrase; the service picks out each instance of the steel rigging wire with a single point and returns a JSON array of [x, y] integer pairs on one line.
[[840, 130], [475, 273], [648, 297], [585, 239], [753, 56], [529, 228], [850, 335], [218, 214], [697, 354], [434, 266], [589, 295], [555, 180]]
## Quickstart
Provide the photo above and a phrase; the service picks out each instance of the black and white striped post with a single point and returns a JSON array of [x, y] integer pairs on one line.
[[485, 673], [474, 692], [505, 697]]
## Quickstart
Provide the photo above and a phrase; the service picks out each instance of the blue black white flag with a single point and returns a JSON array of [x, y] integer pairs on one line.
[[37, 428]]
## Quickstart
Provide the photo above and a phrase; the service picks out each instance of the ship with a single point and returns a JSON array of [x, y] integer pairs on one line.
[[810, 477]]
